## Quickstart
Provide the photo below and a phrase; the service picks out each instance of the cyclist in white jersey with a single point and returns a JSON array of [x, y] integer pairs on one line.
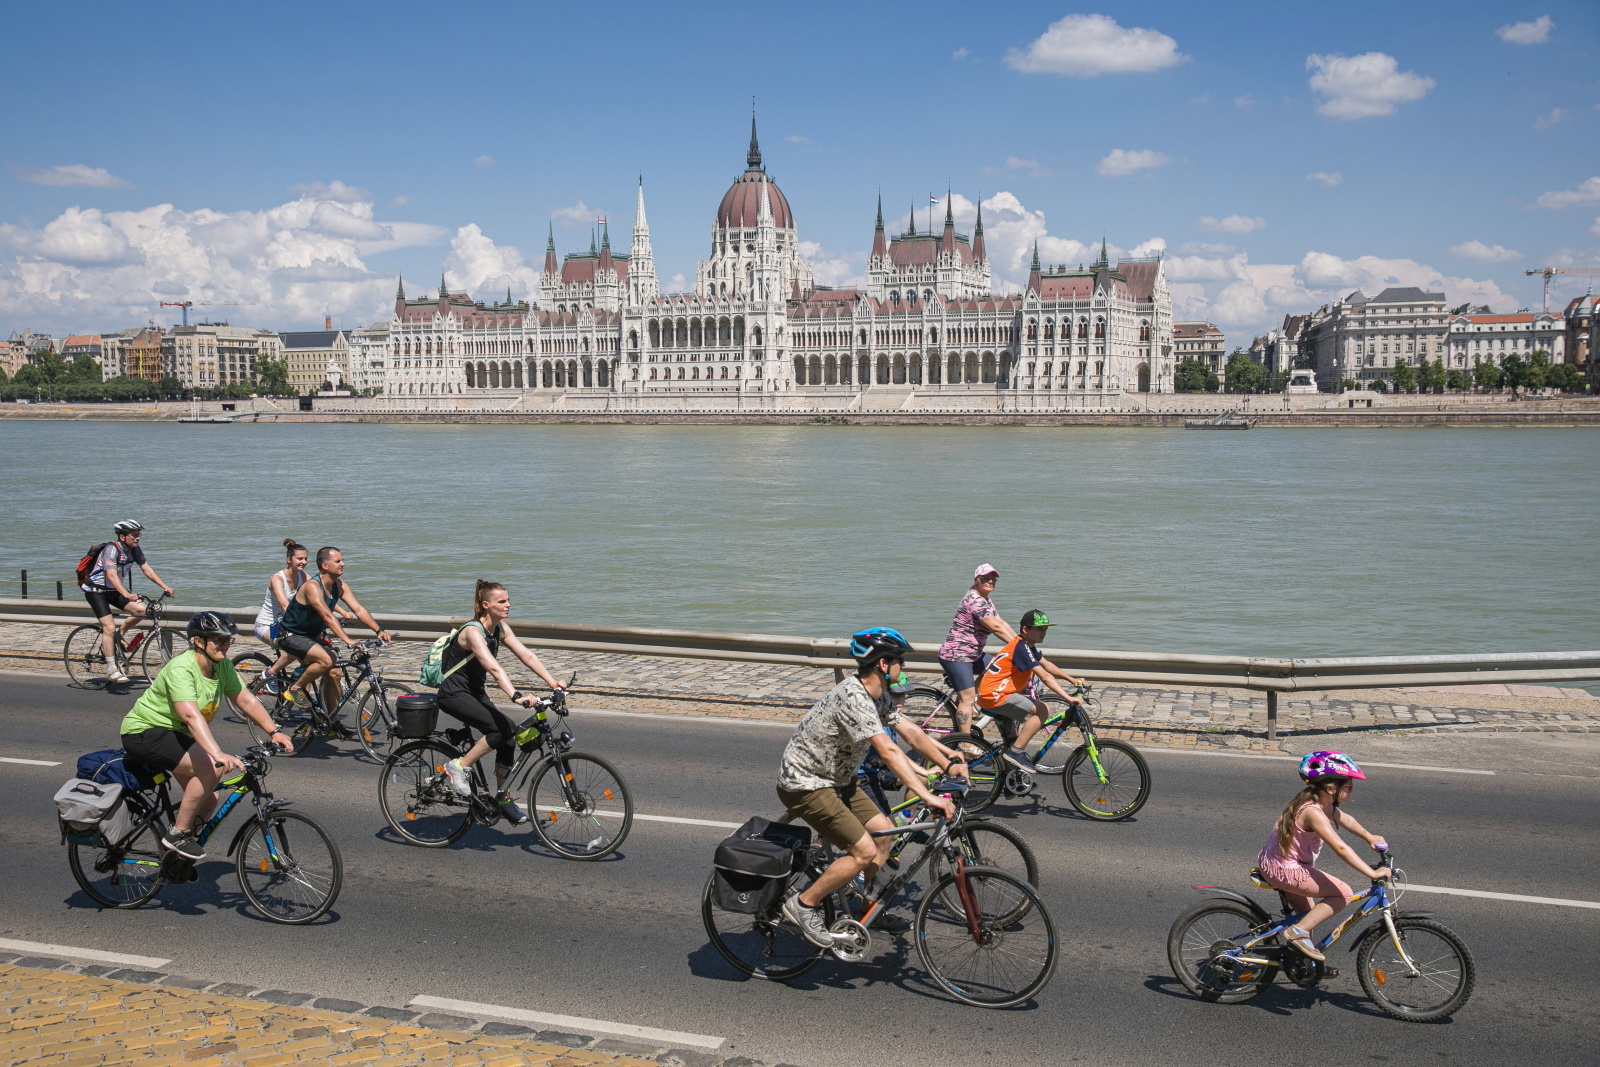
[[281, 588]]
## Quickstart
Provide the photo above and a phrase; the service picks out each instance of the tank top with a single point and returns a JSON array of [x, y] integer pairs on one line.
[[473, 677], [301, 619], [270, 612], [1304, 848]]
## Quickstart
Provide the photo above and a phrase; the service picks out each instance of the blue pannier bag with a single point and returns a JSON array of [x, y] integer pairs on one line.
[[112, 766]]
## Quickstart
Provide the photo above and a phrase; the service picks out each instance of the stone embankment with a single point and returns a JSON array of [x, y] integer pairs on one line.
[[1168, 716], [991, 409]]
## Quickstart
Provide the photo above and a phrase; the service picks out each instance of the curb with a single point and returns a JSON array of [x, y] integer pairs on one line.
[[459, 1025]]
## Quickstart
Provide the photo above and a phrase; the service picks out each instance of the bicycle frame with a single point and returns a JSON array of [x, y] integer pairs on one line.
[[161, 807], [1059, 720]]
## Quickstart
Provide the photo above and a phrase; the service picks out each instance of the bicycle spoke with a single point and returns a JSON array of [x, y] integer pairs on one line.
[[1013, 953]]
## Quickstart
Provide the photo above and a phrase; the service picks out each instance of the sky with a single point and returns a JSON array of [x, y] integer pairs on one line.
[[287, 162]]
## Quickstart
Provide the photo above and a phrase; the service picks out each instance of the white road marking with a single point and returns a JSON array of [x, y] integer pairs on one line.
[[672, 818], [1296, 759], [1503, 896], [574, 1022], [31, 762], [82, 953], [719, 720]]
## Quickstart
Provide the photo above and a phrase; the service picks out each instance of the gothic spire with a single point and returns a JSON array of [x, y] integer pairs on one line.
[[1035, 267], [913, 231], [979, 252], [639, 223], [1104, 262], [400, 291], [753, 159], [605, 234], [878, 246], [444, 289], [1035, 280], [550, 266], [591, 241], [949, 208]]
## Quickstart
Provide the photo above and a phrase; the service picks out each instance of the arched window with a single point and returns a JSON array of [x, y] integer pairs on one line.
[[800, 370], [755, 337], [1083, 329], [561, 374], [863, 338], [1033, 329], [863, 371], [1099, 328], [655, 334], [815, 375], [738, 331], [633, 339], [914, 369], [603, 373], [972, 368], [830, 372], [988, 368], [694, 333], [588, 375], [517, 373], [1144, 335], [547, 376], [1005, 370], [652, 374], [471, 377], [1049, 329], [883, 370], [899, 369]]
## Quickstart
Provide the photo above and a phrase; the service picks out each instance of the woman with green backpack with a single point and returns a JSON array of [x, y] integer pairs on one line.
[[467, 661]]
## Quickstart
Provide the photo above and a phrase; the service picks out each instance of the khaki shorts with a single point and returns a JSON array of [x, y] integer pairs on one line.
[[839, 814]]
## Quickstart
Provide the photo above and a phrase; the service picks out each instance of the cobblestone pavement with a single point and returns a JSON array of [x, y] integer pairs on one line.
[[1173, 715], [88, 1016]]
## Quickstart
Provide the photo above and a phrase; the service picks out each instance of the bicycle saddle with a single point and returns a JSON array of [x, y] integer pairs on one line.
[[950, 785], [1257, 880]]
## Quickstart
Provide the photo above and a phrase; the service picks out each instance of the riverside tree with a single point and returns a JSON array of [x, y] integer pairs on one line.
[[1405, 380], [272, 377], [1244, 374], [1488, 376], [1193, 376]]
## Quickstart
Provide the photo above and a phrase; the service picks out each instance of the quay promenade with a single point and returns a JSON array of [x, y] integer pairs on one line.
[[1180, 716]]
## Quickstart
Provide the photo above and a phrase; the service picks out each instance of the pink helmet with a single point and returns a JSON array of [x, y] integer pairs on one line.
[[1320, 765]]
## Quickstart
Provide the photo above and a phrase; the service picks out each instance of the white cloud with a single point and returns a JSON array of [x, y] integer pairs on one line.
[[575, 215], [960, 53], [1121, 162], [477, 263], [1233, 224], [839, 270], [1244, 101], [1544, 122], [1587, 193], [1203, 98], [483, 161], [336, 191], [677, 284], [1328, 178], [75, 175], [1087, 45], [795, 138], [92, 269], [1359, 87], [1482, 253], [1029, 165], [1595, 229], [1535, 32]]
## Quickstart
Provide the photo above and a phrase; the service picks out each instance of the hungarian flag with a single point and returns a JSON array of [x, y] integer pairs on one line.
[[932, 199]]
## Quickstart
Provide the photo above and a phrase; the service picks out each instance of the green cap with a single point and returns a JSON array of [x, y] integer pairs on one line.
[[1036, 618]]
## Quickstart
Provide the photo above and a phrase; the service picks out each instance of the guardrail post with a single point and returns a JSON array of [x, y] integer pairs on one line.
[[58, 592], [1272, 716], [838, 675], [24, 585]]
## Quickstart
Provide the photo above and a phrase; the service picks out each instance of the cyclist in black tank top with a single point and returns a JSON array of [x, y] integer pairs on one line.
[[308, 614], [465, 695]]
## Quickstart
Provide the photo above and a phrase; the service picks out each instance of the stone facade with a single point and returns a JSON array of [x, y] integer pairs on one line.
[[1361, 337], [1478, 339], [207, 355], [309, 355]]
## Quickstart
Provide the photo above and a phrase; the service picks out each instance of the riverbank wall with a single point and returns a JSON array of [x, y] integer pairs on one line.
[[1171, 412]]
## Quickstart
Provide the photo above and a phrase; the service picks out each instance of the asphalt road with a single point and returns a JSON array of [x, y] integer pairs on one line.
[[497, 920]]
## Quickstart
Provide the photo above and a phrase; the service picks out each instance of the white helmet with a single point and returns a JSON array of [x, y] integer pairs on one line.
[[127, 526]]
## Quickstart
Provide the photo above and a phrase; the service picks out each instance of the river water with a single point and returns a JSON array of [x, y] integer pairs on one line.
[[1272, 542]]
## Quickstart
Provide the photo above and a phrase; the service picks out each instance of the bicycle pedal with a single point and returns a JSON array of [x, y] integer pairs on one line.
[[851, 940]]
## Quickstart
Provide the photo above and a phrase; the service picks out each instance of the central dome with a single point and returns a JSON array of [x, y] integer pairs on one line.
[[741, 205]]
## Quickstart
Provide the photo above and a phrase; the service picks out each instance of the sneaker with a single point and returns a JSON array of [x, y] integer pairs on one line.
[[341, 731], [1303, 943], [117, 678], [458, 777], [184, 843], [510, 812], [299, 698], [1019, 759], [889, 922], [809, 920]]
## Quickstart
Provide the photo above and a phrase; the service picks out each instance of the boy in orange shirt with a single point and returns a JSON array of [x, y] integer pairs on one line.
[[1004, 690]]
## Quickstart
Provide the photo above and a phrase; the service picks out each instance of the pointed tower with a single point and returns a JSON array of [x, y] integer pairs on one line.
[[1035, 275], [912, 232], [753, 158], [979, 252], [591, 240], [879, 246], [606, 262], [764, 277], [400, 299], [1104, 262], [642, 287], [444, 289], [947, 242], [551, 267]]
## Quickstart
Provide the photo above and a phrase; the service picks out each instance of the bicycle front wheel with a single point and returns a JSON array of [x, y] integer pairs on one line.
[[1439, 983], [985, 843], [85, 658], [930, 708], [580, 806], [375, 720], [761, 946], [1199, 948], [417, 799], [986, 772], [1119, 792], [289, 868], [995, 952], [124, 875], [159, 648]]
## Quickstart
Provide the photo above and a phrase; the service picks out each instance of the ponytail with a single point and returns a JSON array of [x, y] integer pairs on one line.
[[1307, 794], [482, 590], [291, 546]]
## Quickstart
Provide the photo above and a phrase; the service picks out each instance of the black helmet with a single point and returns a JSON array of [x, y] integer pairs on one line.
[[878, 642], [211, 624]]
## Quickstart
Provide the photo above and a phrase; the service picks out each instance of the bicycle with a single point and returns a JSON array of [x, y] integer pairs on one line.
[[573, 797], [1104, 780], [982, 933], [362, 680], [1228, 950], [288, 867], [86, 658]]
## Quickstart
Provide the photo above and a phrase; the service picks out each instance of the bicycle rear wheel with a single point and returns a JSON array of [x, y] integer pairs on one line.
[[85, 658], [762, 946], [289, 868], [417, 799], [580, 806], [1123, 790], [986, 843], [375, 720], [125, 875], [930, 707], [1197, 945], [986, 773], [159, 648], [997, 958], [1444, 976]]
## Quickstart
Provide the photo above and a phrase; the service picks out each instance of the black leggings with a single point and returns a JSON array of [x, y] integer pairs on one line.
[[480, 714]]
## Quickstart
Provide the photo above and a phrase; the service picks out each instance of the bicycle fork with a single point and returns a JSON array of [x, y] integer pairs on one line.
[[969, 903]]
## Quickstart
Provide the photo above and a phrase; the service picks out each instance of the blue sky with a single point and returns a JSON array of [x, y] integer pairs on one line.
[[300, 156]]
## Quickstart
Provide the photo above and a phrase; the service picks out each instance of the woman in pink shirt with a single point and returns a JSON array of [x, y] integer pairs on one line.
[[961, 655]]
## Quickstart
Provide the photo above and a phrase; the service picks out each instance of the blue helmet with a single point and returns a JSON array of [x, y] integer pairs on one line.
[[876, 643]]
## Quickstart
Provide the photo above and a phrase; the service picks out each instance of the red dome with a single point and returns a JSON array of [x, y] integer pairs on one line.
[[742, 203]]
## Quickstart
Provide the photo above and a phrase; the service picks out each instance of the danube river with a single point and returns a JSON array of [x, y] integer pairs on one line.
[[1272, 542]]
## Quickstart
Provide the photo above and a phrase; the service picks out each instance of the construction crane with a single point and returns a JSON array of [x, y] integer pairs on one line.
[[1548, 271], [187, 304]]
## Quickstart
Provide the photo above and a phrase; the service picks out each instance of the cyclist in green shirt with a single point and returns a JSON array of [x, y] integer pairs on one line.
[[168, 729]]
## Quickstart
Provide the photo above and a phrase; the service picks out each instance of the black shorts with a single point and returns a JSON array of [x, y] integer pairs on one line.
[[298, 645], [480, 713], [158, 748], [105, 601]]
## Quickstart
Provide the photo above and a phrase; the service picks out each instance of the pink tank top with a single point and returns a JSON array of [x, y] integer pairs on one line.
[[1303, 849]]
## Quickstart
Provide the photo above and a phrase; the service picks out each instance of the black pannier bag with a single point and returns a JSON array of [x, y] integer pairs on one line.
[[754, 863], [416, 716]]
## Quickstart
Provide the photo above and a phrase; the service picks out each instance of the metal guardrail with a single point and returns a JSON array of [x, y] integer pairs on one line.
[[1270, 675]]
